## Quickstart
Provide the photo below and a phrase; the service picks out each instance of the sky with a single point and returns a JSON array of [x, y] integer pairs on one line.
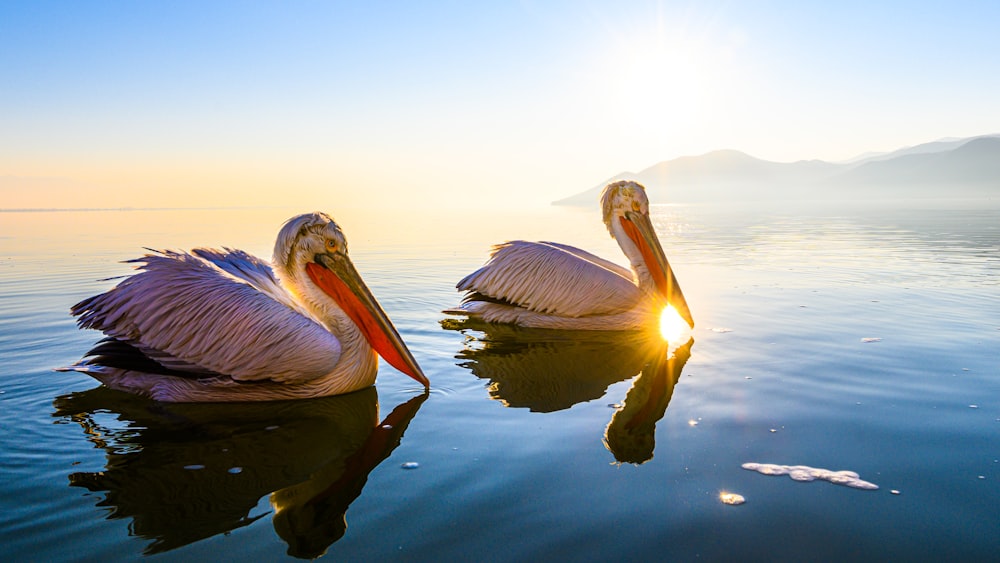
[[462, 104]]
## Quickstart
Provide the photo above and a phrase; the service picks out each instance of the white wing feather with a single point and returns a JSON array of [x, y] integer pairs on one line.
[[584, 255], [219, 311], [251, 270], [554, 279]]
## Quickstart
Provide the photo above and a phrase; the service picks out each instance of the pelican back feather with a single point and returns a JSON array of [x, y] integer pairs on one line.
[[213, 311], [553, 279]]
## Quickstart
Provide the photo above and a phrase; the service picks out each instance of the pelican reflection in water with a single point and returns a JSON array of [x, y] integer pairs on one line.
[[631, 434], [547, 371], [186, 472]]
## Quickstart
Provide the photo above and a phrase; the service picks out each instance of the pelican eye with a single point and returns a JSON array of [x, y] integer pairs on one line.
[[332, 245]]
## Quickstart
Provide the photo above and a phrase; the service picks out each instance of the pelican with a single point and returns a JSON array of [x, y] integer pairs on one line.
[[555, 286], [222, 325]]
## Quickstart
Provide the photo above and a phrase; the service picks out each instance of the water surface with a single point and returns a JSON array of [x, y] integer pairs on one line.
[[830, 337]]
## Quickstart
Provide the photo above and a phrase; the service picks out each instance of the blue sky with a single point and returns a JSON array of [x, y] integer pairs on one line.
[[449, 103]]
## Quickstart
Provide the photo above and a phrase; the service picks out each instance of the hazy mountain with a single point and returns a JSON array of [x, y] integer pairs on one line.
[[973, 164], [939, 168], [863, 157], [941, 145]]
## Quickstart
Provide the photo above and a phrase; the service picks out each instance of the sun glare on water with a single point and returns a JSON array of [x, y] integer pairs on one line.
[[672, 326]]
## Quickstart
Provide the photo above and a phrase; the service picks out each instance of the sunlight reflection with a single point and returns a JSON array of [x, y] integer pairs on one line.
[[672, 326]]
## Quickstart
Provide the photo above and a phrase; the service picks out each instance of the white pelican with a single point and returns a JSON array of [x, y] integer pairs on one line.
[[221, 325], [551, 285]]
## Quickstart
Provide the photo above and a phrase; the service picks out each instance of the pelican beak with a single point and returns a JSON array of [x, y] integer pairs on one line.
[[638, 228], [334, 273]]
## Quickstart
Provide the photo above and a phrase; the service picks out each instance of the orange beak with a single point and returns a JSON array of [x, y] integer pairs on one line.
[[336, 276], [638, 228]]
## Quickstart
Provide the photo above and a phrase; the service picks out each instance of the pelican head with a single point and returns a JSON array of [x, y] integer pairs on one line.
[[626, 214], [310, 257]]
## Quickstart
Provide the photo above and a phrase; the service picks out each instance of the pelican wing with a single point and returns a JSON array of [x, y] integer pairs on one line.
[[251, 270], [213, 312], [555, 279], [584, 255]]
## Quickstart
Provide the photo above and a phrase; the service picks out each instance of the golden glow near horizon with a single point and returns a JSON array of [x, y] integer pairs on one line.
[[672, 326]]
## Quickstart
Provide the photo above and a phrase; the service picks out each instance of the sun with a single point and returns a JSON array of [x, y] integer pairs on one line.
[[659, 79], [666, 81]]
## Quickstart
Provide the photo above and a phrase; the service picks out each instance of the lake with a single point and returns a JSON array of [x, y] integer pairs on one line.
[[859, 338]]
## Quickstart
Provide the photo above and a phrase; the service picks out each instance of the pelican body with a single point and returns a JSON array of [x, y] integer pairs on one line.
[[556, 286], [221, 325]]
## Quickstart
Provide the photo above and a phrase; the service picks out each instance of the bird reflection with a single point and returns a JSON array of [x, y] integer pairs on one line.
[[551, 370], [631, 434], [186, 472]]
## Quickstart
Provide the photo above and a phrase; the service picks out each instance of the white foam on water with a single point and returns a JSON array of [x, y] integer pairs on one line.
[[731, 498], [804, 473]]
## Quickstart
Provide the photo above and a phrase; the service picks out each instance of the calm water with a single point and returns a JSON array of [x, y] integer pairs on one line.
[[827, 337]]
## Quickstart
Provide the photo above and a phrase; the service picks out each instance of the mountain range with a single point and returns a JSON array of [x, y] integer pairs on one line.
[[966, 167]]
